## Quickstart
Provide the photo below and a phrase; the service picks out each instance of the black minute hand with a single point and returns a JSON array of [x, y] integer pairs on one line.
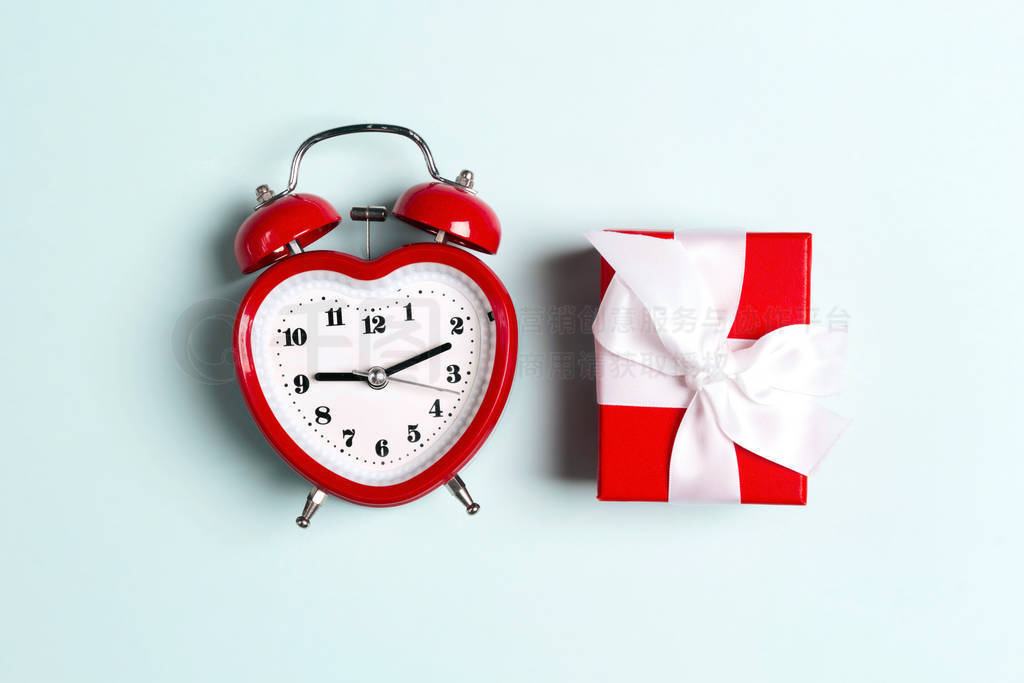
[[339, 377], [426, 355]]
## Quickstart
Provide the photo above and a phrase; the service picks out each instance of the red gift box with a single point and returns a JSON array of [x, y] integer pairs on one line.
[[635, 442]]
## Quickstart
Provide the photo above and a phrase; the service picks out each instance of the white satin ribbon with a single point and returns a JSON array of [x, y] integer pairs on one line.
[[661, 341]]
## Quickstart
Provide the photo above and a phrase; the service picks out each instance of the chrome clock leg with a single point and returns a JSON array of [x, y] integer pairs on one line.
[[313, 501], [458, 489]]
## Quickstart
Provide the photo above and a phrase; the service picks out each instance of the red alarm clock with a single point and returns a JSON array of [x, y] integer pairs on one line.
[[375, 379]]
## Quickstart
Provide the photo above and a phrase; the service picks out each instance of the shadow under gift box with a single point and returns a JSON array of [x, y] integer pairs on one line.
[[635, 442]]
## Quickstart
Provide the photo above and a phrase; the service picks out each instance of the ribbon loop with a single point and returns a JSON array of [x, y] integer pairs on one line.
[[668, 312]]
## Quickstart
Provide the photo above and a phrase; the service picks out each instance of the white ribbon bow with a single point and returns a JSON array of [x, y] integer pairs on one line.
[[661, 341]]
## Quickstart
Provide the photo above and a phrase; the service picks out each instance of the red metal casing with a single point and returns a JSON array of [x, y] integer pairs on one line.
[[506, 341], [265, 234], [467, 219]]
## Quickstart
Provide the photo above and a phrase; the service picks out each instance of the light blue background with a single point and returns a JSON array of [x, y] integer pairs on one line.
[[147, 528]]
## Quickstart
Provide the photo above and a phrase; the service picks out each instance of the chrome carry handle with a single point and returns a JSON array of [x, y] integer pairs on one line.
[[465, 183]]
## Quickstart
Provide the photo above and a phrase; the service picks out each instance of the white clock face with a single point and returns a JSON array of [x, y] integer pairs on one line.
[[375, 380]]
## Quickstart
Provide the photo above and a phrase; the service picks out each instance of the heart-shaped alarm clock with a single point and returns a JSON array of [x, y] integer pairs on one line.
[[375, 379]]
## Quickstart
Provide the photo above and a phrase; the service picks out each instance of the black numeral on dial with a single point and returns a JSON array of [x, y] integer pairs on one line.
[[296, 337], [414, 434], [301, 384], [382, 448], [453, 374], [348, 435], [373, 324], [334, 317], [408, 311], [435, 408], [323, 415], [457, 325]]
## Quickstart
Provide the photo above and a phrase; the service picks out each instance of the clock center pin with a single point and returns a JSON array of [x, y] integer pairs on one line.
[[377, 377]]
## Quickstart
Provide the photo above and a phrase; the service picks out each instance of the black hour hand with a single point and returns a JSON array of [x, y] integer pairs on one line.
[[426, 355]]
